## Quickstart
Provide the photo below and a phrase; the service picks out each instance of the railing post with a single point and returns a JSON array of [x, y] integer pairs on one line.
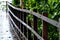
[[45, 34], [59, 29]]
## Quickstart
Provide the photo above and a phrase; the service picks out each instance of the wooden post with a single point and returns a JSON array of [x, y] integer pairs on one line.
[[45, 34], [59, 29], [22, 4]]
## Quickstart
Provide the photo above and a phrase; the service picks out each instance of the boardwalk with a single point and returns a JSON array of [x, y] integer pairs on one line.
[[5, 32]]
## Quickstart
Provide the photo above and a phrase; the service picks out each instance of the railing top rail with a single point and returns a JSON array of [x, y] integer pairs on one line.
[[53, 22]]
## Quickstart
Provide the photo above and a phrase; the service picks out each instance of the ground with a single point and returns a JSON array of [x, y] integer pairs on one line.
[[5, 29]]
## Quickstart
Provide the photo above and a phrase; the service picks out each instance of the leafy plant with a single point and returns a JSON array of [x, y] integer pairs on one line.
[[16, 2]]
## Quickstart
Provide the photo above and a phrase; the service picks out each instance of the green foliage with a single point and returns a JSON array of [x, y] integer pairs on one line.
[[16, 2]]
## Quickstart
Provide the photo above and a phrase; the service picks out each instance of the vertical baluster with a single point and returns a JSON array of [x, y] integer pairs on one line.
[[45, 34], [35, 24], [21, 25], [29, 32], [22, 20], [25, 29], [18, 15]]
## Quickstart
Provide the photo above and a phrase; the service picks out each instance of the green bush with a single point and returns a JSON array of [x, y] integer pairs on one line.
[[16, 2]]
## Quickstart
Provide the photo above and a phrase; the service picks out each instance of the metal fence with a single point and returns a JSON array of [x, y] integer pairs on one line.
[[22, 26]]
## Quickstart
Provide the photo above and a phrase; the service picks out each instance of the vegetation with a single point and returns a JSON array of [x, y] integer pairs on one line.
[[16, 2], [50, 6]]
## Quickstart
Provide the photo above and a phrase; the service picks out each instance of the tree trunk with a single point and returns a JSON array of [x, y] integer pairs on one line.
[[22, 4]]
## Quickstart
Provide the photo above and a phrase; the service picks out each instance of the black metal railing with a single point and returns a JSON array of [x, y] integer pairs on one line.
[[22, 25]]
